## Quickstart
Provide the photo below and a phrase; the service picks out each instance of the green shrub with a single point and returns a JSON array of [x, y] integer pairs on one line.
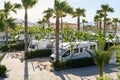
[[74, 63], [39, 53], [12, 47], [105, 77], [3, 70], [2, 56]]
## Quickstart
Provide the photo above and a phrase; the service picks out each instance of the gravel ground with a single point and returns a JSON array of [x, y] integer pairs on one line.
[[40, 69]]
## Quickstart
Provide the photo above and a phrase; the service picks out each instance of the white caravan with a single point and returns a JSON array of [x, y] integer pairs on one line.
[[79, 50], [42, 44], [3, 38]]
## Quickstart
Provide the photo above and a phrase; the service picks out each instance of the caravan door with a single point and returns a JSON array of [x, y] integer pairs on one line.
[[66, 55]]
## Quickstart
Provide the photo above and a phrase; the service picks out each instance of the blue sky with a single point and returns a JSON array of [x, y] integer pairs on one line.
[[90, 5]]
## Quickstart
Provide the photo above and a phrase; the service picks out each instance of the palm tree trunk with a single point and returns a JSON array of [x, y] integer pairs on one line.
[[101, 71], [96, 25], [78, 23], [6, 34], [48, 23], [100, 24], [115, 28], [61, 23], [43, 24], [83, 26], [57, 41], [105, 23], [26, 34]]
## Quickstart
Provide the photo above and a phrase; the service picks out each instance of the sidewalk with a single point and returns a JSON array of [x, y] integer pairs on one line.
[[36, 69]]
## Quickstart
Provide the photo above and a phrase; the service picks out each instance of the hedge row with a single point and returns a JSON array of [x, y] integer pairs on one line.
[[16, 47], [39, 53], [2, 56], [3, 71], [74, 63], [118, 58]]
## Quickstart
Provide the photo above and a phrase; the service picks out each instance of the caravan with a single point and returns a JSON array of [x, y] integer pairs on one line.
[[41, 44], [78, 51]]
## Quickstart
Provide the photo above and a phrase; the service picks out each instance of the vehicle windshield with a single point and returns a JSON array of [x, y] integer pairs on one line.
[[61, 51], [32, 46]]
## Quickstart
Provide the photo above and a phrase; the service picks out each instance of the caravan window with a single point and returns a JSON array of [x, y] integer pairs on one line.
[[76, 50], [67, 53], [92, 47], [81, 50], [32, 46]]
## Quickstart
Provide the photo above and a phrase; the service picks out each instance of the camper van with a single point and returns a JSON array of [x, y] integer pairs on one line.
[[78, 51], [41, 44], [3, 38]]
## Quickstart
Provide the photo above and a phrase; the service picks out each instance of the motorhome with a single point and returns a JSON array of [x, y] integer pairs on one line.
[[3, 38], [78, 51], [41, 44]]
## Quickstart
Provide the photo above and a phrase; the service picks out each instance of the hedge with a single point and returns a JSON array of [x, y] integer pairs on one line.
[[118, 58], [39, 53], [16, 47], [3, 71], [74, 63], [2, 56]]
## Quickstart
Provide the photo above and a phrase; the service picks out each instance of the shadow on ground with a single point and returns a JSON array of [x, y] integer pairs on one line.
[[84, 72], [2, 78], [26, 70]]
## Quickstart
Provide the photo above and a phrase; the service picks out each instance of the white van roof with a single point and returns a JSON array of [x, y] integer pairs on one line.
[[66, 45]]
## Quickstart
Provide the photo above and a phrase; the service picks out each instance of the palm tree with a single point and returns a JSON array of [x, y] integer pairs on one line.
[[40, 22], [58, 10], [48, 14], [96, 20], [101, 57], [2, 22], [8, 7], [108, 20], [78, 13], [67, 10], [83, 22], [106, 9], [27, 4], [100, 15], [116, 21], [43, 21]]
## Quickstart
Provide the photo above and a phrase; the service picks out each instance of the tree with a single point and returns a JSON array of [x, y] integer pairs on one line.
[[96, 20], [101, 57], [2, 22], [115, 21], [8, 7], [27, 4], [42, 22], [66, 10], [48, 14], [100, 16], [78, 13], [83, 22], [109, 23], [58, 10], [105, 9]]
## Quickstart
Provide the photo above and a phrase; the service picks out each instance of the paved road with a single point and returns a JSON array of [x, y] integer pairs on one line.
[[38, 69]]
